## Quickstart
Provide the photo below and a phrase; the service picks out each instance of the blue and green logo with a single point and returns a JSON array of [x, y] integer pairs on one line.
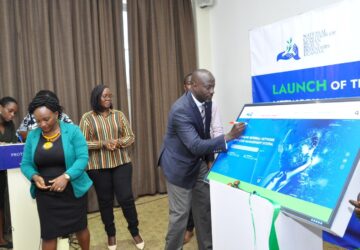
[[291, 51]]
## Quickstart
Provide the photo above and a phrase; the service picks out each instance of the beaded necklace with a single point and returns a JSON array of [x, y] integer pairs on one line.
[[49, 140]]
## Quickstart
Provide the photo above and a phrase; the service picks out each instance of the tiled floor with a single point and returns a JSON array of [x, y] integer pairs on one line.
[[153, 214]]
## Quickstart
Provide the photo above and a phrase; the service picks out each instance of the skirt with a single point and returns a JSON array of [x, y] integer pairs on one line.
[[61, 213]]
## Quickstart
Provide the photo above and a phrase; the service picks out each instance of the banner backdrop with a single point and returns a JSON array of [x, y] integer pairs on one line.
[[311, 56]]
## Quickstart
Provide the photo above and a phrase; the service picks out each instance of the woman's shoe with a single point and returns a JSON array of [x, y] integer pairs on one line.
[[112, 247], [139, 244], [112, 241]]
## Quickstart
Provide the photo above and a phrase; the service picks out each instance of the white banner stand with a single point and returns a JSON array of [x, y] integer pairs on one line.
[[24, 216], [232, 226], [23, 210]]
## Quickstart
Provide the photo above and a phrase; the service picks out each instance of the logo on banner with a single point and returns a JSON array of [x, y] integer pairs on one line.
[[291, 51]]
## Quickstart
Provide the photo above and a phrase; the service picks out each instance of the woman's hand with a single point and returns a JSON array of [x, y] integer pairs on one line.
[[59, 183], [110, 144], [39, 182], [118, 143]]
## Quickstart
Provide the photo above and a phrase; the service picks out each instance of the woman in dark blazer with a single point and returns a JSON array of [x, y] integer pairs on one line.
[[8, 109]]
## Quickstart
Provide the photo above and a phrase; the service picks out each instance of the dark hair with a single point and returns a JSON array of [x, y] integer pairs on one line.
[[6, 100], [45, 92], [185, 81], [45, 101], [96, 98]]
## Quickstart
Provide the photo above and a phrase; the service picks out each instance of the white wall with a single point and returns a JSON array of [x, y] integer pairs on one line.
[[223, 43]]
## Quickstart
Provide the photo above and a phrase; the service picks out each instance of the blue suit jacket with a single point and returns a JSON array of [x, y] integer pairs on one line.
[[186, 143], [75, 153]]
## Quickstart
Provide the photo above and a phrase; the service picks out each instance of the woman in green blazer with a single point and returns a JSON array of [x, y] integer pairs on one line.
[[54, 160]]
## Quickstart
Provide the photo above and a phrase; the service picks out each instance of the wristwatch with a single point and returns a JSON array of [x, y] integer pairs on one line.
[[67, 177]]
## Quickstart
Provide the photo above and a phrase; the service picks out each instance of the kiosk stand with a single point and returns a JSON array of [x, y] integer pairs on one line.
[[24, 217], [23, 210], [233, 228], [243, 221], [302, 156]]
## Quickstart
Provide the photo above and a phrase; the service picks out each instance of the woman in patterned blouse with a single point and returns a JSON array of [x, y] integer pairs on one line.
[[108, 135]]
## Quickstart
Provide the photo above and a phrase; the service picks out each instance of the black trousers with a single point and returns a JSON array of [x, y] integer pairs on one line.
[[108, 182], [3, 185]]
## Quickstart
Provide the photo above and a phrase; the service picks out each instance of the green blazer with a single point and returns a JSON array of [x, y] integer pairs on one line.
[[75, 153]]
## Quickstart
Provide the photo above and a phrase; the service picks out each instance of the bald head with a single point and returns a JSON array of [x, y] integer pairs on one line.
[[202, 75], [203, 84]]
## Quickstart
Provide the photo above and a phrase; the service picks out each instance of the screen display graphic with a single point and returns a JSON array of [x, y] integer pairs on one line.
[[300, 155]]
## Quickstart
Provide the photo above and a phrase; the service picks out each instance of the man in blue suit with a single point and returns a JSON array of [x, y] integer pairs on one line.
[[186, 149]]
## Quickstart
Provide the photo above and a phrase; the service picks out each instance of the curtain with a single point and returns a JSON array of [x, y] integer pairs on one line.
[[162, 52], [66, 46], [70, 46]]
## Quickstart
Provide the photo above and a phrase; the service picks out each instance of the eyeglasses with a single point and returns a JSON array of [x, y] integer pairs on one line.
[[109, 96]]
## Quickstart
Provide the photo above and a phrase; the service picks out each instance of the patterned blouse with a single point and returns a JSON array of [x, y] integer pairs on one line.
[[29, 122], [97, 129]]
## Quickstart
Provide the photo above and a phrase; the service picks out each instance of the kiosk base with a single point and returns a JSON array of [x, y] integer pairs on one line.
[[24, 216], [234, 228]]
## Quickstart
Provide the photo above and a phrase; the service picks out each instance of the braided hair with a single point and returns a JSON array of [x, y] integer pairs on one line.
[[47, 92], [45, 101]]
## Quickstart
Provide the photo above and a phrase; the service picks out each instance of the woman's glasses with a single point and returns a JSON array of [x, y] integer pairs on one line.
[[107, 96]]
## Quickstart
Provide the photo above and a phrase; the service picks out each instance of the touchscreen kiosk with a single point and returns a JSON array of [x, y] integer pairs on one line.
[[301, 155]]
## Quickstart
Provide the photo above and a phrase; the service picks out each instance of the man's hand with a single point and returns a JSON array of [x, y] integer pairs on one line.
[[235, 131], [356, 204]]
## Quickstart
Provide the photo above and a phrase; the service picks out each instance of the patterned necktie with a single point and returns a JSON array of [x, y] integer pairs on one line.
[[202, 112]]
